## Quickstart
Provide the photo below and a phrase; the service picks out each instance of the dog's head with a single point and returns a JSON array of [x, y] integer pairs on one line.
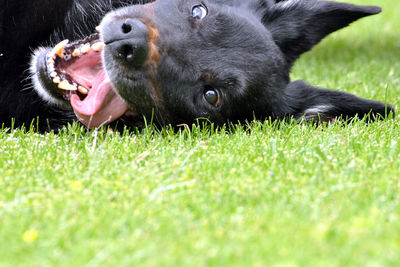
[[173, 61]]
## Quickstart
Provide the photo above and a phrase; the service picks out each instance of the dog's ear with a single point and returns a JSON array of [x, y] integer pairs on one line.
[[303, 101], [298, 25]]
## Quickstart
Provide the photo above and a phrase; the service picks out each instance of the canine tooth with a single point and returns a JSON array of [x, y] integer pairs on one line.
[[65, 85], [76, 53], [83, 90], [56, 80], [53, 74], [59, 49], [98, 46], [98, 28]]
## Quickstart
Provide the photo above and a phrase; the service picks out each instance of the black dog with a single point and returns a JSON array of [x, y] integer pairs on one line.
[[173, 61]]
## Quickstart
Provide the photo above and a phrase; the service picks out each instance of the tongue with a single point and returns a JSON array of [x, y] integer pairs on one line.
[[101, 106]]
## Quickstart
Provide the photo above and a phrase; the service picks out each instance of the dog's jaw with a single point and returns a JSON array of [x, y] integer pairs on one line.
[[55, 79], [36, 68]]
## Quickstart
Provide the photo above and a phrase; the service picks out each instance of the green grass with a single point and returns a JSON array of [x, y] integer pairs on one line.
[[280, 194]]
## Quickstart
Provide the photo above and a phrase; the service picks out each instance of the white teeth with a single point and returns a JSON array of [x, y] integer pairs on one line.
[[76, 53], [51, 68], [50, 64], [83, 90], [65, 85], [60, 52], [98, 46], [56, 80], [85, 48], [59, 49], [50, 61], [98, 28]]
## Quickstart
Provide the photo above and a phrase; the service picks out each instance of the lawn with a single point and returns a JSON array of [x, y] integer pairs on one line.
[[281, 194]]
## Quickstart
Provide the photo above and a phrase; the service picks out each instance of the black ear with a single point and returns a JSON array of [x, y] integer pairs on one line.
[[305, 101], [298, 25]]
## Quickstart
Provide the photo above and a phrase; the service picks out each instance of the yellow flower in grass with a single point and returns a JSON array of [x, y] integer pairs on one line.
[[30, 236], [76, 185]]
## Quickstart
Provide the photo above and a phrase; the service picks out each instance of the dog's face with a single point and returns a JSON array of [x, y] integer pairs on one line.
[[173, 61], [201, 59]]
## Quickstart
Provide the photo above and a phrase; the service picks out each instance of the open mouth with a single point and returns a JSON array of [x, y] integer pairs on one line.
[[76, 69]]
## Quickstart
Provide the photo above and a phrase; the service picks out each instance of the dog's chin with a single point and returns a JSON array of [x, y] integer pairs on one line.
[[71, 75]]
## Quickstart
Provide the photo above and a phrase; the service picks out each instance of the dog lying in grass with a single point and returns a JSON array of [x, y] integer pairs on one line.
[[174, 61]]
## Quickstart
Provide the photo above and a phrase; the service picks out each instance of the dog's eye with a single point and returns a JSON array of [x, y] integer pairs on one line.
[[211, 96], [199, 12]]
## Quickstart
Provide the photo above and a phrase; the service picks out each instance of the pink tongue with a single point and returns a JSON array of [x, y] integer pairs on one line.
[[101, 106]]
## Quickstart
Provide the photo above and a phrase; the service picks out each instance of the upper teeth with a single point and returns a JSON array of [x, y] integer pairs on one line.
[[85, 48], [60, 52], [98, 46], [76, 53]]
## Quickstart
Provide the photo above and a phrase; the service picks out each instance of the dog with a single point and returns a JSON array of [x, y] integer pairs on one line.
[[175, 61]]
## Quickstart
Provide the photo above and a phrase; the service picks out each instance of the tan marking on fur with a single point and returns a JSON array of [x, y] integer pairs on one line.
[[153, 58]]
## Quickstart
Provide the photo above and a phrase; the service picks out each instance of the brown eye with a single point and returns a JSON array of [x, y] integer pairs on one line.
[[199, 12], [211, 96]]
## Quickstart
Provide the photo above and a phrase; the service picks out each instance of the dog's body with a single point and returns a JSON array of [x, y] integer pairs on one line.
[[173, 61]]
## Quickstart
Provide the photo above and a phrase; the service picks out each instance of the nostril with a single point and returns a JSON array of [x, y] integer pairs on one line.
[[126, 27], [133, 54], [125, 52], [128, 51]]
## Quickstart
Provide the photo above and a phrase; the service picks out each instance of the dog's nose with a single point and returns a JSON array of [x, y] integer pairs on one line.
[[128, 41]]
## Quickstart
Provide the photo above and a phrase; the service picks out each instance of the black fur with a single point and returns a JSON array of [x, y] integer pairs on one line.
[[243, 50]]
